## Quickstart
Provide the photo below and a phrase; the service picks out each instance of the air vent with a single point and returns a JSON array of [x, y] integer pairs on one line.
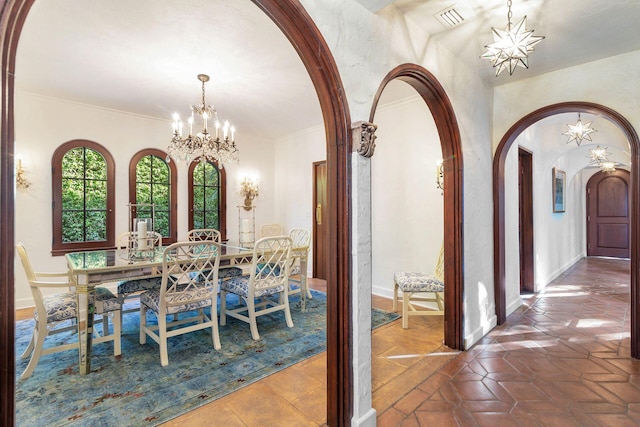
[[449, 17]]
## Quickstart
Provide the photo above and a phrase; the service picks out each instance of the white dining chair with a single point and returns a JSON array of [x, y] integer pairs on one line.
[[189, 284], [56, 313], [200, 234], [301, 239], [129, 290], [270, 230], [268, 283]]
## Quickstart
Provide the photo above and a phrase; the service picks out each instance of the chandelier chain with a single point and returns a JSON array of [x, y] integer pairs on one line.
[[509, 15]]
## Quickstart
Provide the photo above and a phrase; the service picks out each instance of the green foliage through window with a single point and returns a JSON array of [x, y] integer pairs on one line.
[[153, 186], [206, 196], [84, 196]]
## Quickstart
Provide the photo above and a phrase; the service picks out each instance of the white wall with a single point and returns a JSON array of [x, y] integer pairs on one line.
[[293, 170], [406, 207], [43, 123]]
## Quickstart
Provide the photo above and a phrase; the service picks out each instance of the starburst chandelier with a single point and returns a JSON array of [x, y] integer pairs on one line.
[[511, 46], [579, 131], [219, 147], [598, 156]]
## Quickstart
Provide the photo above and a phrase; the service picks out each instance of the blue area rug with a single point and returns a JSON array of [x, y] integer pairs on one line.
[[134, 389]]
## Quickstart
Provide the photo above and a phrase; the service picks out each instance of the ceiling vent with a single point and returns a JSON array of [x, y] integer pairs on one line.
[[449, 17]]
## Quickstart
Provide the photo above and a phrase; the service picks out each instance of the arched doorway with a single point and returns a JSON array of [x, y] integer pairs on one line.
[[297, 26], [438, 103], [499, 201]]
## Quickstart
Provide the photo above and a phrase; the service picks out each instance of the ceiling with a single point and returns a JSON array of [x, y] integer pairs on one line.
[[143, 56]]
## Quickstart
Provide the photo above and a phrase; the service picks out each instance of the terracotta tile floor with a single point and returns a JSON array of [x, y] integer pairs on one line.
[[562, 359]]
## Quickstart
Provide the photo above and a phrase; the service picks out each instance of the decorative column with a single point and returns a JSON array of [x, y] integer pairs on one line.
[[363, 137]]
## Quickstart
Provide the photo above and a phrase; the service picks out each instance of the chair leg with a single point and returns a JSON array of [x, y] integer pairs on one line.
[[143, 324], [223, 308], [405, 309], [440, 300], [117, 332], [395, 297], [162, 333], [29, 349], [287, 312], [215, 333], [253, 324], [35, 357]]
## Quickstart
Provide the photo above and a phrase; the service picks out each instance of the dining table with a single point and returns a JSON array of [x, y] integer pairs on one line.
[[93, 268]]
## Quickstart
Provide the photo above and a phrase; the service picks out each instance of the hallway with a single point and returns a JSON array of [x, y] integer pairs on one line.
[[561, 359]]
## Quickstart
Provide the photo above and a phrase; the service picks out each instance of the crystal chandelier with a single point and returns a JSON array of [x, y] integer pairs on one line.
[[219, 147], [511, 47], [579, 131]]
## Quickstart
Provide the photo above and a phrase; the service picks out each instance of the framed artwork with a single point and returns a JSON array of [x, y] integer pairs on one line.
[[559, 190]]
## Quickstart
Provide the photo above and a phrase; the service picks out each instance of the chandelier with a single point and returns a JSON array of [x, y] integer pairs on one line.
[[579, 131], [219, 147], [511, 46], [598, 156]]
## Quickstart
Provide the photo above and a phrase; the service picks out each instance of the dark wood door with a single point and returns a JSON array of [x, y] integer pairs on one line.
[[525, 228], [608, 231], [320, 228]]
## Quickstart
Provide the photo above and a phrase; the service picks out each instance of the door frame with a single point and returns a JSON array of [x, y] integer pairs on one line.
[[634, 196], [525, 220]]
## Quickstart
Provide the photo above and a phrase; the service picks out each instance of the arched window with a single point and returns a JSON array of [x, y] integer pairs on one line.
[[207, 197], [83, 174], [153, 181]]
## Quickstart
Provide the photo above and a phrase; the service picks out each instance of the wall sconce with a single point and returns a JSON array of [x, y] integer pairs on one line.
[[21, 181], [249, 190], [440, 176]]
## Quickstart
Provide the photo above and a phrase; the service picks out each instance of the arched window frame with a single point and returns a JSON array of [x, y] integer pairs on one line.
[[222, 201], [173, 194], [58, 247]]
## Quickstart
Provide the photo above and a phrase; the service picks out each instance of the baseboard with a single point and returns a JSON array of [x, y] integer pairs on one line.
[[367, 420], [480, 332], [554, 275], [513, 305]]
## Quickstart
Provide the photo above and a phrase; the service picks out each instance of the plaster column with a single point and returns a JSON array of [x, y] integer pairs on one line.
[[363, 413]]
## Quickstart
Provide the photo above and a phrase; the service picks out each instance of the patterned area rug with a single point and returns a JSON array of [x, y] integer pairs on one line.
[[134, 389]]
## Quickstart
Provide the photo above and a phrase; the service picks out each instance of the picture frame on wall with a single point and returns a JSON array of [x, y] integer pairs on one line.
[[559, 189]]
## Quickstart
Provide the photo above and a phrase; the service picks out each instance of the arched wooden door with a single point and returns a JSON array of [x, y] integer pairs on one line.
[[608, 222]]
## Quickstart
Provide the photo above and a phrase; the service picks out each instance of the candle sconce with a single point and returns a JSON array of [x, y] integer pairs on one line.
[[250, 191], [22, 182], [440, 176], [142, 238]]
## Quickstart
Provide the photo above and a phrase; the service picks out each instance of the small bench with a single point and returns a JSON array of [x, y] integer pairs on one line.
[[418, 283]]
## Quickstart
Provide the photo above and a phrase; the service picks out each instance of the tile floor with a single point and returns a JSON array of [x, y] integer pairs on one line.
[[562, 359]]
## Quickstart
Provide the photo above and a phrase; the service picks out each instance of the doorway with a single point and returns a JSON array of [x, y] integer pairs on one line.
[[499, 200], [608, 214], [320, 230], [525, 228]]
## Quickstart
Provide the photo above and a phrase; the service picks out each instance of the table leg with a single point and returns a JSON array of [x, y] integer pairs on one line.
[[86, 309]]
